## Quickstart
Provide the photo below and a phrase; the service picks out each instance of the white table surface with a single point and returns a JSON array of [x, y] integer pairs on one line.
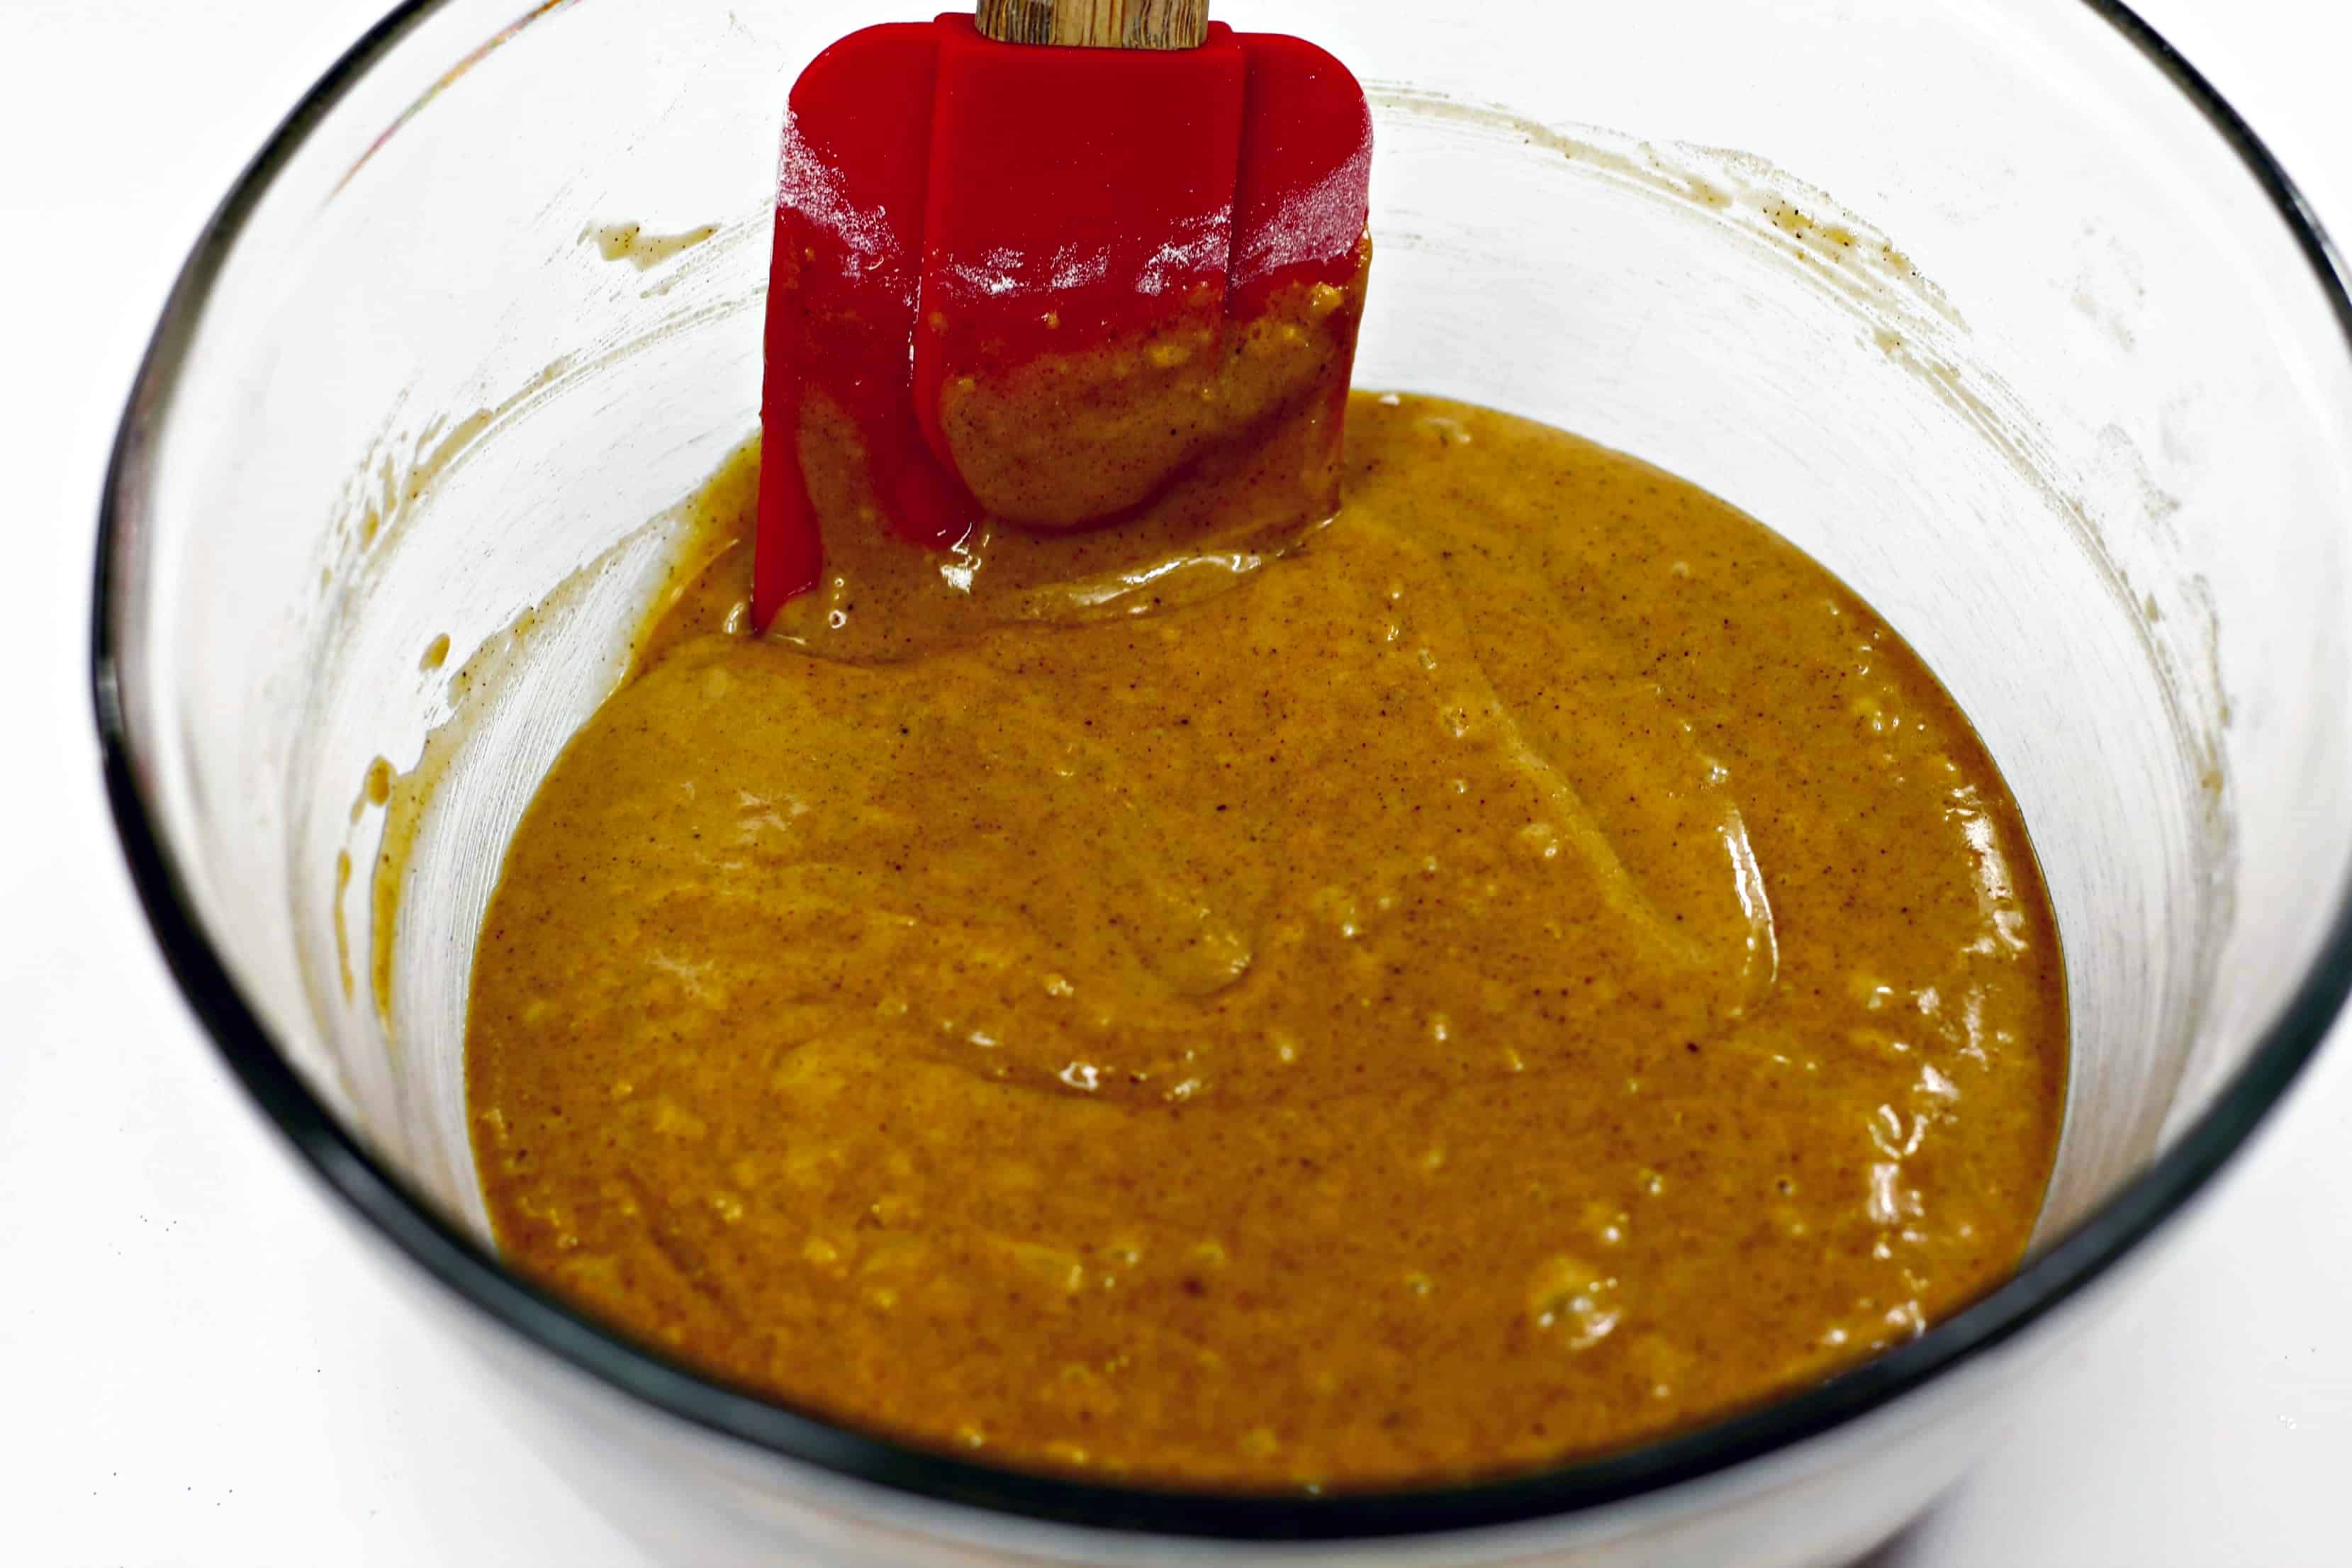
[[196, 1367]]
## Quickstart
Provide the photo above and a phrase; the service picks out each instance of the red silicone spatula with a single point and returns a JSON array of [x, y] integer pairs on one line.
[[964, 197]]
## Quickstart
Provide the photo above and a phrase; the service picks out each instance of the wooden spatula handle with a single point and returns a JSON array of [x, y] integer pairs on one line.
[[1097, 24]]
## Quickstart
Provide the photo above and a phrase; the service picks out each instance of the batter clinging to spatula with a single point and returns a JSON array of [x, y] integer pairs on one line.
[[1069, 263]]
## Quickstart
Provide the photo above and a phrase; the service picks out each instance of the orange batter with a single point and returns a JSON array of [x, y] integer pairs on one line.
[[1540, 964]]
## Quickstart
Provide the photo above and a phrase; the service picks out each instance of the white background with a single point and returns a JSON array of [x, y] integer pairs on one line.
[[195, 1365]]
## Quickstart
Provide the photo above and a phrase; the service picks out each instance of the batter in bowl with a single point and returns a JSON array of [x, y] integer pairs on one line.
[[1538, 964]]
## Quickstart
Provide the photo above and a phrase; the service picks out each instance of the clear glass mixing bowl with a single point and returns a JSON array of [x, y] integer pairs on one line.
[[1995, 309]]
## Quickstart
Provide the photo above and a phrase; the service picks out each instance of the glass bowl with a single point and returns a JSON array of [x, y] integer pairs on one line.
[[1990, 305]]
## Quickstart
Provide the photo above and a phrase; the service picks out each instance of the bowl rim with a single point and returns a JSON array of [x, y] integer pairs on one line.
[[468, 1270]]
